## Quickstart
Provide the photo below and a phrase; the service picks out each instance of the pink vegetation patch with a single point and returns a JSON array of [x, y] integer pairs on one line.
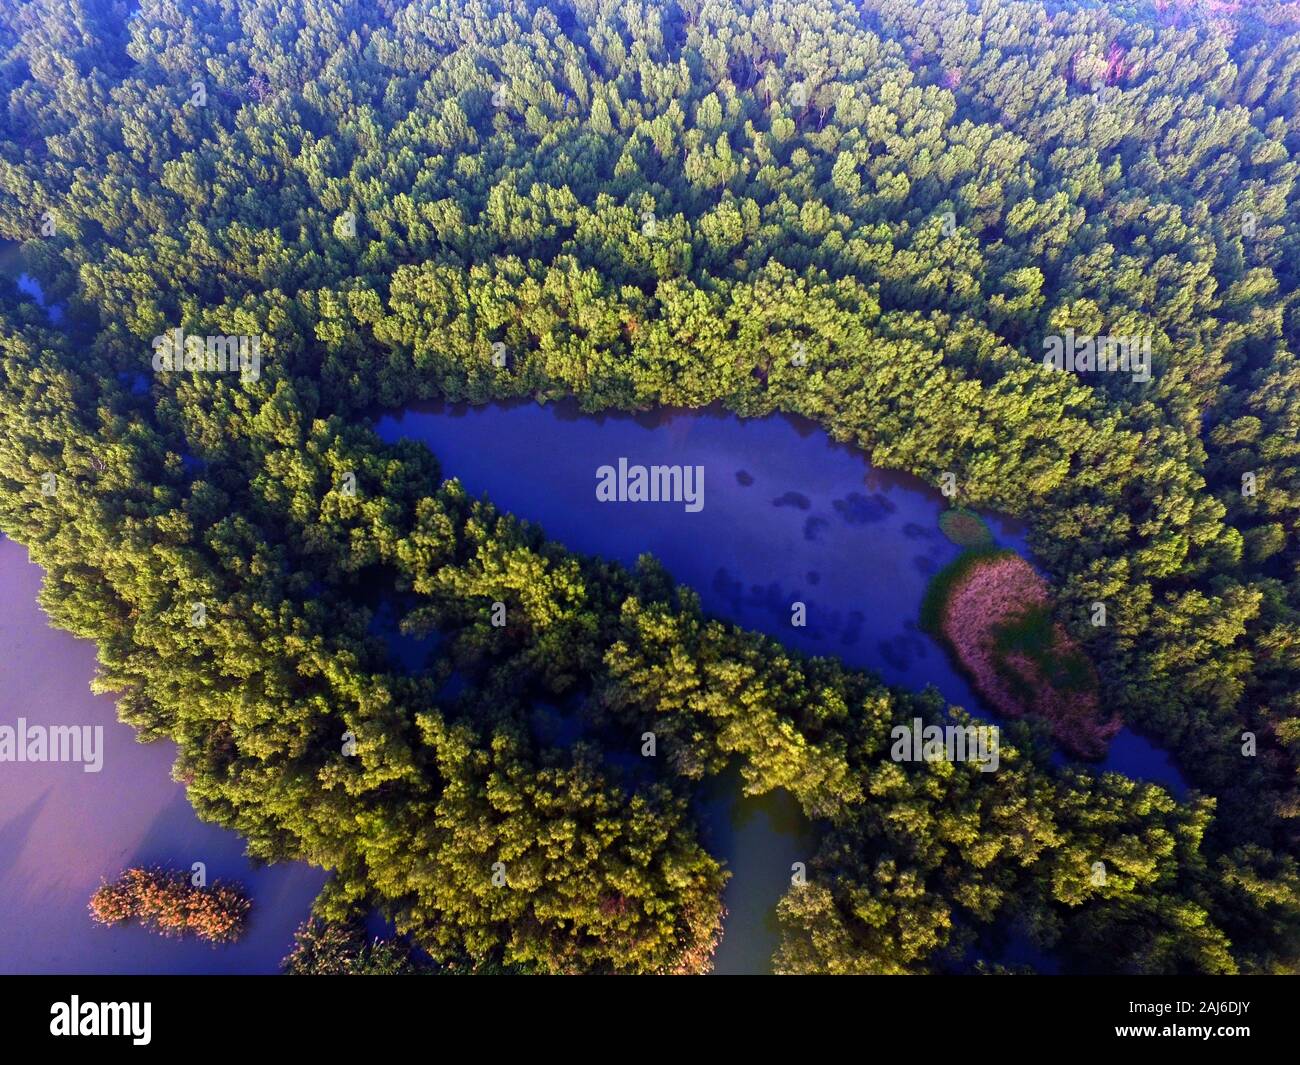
[[982, 603]]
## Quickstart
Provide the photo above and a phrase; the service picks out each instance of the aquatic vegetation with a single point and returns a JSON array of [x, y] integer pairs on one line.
[[869, 214], [994, 612], [965, 528], [170, 904]]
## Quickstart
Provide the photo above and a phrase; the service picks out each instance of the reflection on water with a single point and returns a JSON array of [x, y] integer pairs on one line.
[[761, 839], [789, 517], [63, 830], [810, 521]]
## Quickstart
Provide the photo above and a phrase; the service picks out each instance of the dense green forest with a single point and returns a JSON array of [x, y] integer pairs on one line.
[[648, 204]]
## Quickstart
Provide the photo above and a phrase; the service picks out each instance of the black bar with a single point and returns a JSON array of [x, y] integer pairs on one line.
[[539, 1015]]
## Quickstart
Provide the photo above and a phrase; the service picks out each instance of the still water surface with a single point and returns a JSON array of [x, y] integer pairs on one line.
[[62, 830], [789, 516]]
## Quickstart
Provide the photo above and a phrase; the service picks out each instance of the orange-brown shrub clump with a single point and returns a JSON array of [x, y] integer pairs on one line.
[[994, 612], [168, 903]]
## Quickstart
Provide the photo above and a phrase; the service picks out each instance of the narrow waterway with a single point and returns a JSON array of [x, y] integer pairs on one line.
[[788, 516]]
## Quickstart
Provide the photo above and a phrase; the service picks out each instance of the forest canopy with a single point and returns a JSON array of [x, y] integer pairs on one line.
[[646, 205]]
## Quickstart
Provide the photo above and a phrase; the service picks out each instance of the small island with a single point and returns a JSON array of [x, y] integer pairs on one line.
[[993, 612], [166, 902], [965, 528]]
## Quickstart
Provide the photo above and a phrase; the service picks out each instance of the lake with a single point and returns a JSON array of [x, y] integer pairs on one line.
[[788, 516]]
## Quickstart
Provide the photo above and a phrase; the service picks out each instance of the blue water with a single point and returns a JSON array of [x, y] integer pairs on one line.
[[29, 285], [789, 516]]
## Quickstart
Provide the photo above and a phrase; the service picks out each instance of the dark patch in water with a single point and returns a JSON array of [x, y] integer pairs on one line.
[[793, 499], [913, 531], [813, 527], [728, 588], [769, 597], [857, 509], [813, 577], [902, 650], [744, 478], [925, 564], [853, 630]]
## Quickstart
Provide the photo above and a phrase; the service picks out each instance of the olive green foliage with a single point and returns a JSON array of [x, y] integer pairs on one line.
[[344, 949], [659, 204], [1031, 633]]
